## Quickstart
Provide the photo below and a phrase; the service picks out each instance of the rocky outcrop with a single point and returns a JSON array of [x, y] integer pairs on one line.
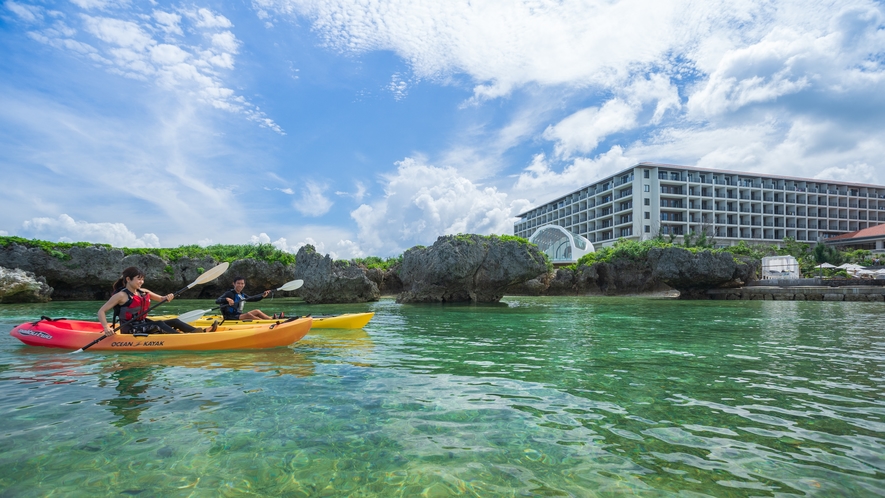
[[664, 269], [327, 281], [388, 281], [19, 286], [88, 273], [693, 274], [467, 268]]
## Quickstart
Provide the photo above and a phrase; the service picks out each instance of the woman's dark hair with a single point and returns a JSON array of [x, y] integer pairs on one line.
[[128, 274]]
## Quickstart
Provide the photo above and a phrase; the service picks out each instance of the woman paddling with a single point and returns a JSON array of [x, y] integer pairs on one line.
[[131, 303]]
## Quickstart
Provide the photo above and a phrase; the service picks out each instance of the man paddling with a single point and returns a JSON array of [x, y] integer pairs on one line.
[[233, 300]]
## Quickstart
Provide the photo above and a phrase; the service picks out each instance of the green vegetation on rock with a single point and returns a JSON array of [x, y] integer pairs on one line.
[[807, 256], [218, 252], [380, 263]]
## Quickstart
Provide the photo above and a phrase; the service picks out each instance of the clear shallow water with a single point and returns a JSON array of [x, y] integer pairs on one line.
[[532, 397]]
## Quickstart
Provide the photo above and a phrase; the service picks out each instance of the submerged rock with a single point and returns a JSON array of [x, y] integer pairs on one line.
[[19, 286], [468, 268]]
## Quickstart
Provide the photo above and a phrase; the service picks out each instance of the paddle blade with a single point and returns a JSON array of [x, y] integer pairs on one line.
[[210, 275], [192, 315], [290, 286]]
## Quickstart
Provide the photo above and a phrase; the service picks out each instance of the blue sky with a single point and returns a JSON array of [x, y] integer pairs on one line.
[[366, 127]]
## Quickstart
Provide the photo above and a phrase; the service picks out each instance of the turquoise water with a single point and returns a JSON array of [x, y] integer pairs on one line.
[[531, 397]]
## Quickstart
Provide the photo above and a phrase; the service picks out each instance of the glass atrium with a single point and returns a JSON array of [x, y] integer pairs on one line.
[[560, 245]]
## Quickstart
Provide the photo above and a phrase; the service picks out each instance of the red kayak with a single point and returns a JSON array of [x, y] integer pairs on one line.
[[74, 334]]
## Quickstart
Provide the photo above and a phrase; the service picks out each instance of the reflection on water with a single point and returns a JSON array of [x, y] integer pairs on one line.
[[534, 397], [131, 399]]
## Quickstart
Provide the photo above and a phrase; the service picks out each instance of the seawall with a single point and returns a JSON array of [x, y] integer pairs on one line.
[[801, 293]]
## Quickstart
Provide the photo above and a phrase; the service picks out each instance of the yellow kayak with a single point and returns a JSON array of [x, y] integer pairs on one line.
[[344, 321]]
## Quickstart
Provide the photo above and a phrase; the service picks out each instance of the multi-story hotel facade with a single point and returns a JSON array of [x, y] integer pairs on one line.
[[648, 199]]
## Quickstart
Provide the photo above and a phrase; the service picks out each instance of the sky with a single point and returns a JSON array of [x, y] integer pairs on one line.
[[366, 127]]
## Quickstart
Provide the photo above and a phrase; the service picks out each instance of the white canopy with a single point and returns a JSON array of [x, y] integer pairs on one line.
[[826, 265]]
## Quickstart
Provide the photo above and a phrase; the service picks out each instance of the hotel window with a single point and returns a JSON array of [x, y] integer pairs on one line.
[[647, 215], [648, 202], [646, 188], [646, 174], [647, 229]]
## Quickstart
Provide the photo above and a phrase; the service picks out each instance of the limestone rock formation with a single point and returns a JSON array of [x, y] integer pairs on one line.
[[663, 270], [467, 268], [388, 281], [87, 273], [327, 281], [19, 286], [692, 274]]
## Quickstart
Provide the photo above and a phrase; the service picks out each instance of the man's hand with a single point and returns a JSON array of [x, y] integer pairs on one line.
[[230, 301], [266, 293]]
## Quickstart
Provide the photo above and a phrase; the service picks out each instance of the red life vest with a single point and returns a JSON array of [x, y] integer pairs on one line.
[[135, 309]]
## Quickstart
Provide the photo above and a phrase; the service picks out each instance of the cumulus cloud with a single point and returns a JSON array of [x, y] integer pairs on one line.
[[342, 249], [540, 181], [422, 202], [181, 52], [502, 45], [650, 77], [313, 201], [67, 229], [582, 131]]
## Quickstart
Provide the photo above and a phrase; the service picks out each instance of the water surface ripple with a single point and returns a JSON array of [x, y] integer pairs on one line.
[[530, 397]]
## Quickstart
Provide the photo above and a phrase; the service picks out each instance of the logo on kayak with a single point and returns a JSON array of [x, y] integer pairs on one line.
[[132, 344], [35, 333]]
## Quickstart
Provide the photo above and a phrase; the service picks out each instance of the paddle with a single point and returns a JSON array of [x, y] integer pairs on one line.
[[195, 314], [206, 276]]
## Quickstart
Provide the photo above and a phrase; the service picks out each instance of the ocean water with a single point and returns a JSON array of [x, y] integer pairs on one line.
[[530, 397]]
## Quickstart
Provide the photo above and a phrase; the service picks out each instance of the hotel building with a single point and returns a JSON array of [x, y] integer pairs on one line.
[[648, 199]]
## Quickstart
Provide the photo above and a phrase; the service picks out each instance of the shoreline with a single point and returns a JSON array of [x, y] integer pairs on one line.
[[801, 293]]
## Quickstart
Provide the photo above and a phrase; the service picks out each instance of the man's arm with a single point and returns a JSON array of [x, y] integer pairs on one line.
[[223, 299]]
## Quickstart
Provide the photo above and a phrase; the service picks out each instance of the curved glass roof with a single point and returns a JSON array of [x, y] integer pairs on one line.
[[560, 245]]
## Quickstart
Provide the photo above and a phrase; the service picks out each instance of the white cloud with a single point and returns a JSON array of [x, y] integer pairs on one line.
[[539, 182], [422, 202], [502, 45], [226, 42], [169, 22], [582, 131], [66, 229], [344, 248], [398, 87], [860, 173], [177, 61], [94, 4], [313, 201], [358, 194], [205, 18], [27, 13]]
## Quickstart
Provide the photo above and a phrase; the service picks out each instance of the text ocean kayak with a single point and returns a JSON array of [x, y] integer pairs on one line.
[[74, 334], [345, 321]]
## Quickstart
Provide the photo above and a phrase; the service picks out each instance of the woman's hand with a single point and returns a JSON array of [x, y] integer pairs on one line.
[[109, 331], [169, 297]]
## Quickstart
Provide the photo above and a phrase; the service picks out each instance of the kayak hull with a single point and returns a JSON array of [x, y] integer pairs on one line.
[[74, 334], [344, 321]]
